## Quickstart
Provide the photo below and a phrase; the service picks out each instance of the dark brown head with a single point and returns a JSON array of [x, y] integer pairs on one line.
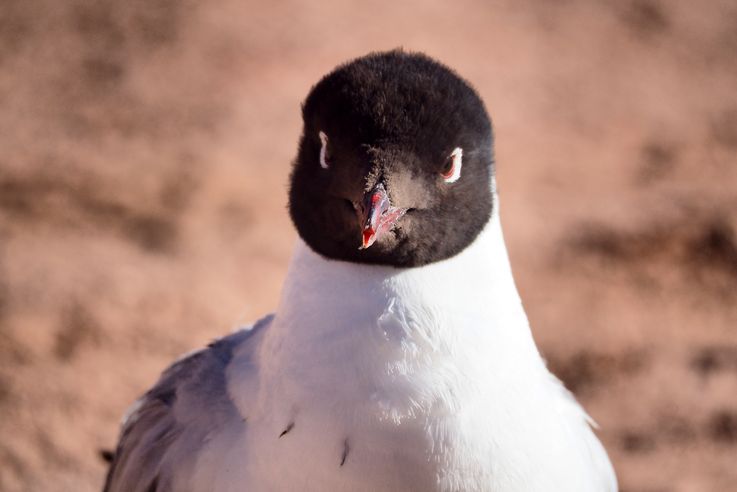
[[394, 163]]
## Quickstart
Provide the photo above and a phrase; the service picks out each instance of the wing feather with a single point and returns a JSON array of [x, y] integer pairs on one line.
[[189, 402]]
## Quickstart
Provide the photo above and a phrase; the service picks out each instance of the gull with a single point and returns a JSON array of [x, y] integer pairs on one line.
[[399, 357]]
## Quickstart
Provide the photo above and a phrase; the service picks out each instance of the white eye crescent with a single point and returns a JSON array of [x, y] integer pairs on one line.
[[323, 150], [451, 173]]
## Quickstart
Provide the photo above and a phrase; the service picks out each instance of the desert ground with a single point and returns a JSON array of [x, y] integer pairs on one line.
[[145, 148]]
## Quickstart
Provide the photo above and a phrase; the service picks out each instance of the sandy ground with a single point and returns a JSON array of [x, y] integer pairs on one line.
[[145, 147]]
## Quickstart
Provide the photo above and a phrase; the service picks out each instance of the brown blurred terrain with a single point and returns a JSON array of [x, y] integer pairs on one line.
[[145, 147]]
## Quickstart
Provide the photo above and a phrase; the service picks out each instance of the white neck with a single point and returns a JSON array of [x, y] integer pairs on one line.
[[353, 325]]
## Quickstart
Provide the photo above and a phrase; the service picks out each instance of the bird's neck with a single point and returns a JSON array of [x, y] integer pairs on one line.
[[373, 320]]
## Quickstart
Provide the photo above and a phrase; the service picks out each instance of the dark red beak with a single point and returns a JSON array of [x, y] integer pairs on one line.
[[377, 215]]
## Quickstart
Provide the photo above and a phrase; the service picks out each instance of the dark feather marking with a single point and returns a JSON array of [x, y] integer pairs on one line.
[[285, 431], [154, 486], [167, 396], [346, 448], [106, 455]]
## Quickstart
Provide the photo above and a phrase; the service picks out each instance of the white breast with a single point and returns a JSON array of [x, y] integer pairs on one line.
[[416, 379]]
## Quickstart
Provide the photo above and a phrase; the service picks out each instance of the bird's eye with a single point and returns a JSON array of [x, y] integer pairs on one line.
[[452, 169], [324, 157]]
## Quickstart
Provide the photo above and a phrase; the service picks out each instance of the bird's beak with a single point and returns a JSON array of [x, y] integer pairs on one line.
[[377, 215]]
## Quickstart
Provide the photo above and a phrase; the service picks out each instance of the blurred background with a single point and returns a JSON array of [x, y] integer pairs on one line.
[[145, 147]]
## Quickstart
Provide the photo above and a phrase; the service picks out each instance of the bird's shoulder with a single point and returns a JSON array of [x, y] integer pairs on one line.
[[189, 401]]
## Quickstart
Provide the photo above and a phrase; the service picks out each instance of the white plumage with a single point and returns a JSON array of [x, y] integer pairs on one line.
[[369, 378]]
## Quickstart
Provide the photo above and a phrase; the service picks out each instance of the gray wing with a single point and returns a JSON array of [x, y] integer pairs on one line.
[[162, 432]]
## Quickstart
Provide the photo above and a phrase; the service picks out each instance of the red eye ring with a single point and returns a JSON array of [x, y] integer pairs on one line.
[[447, 172]]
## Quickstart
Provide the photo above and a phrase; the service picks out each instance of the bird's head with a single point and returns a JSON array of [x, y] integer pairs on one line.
[[394, 163]]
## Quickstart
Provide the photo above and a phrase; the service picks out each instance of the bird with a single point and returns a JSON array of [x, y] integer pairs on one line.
[[399, 356]]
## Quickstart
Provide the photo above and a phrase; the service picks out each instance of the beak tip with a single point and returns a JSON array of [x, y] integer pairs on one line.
[[368, 238]]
